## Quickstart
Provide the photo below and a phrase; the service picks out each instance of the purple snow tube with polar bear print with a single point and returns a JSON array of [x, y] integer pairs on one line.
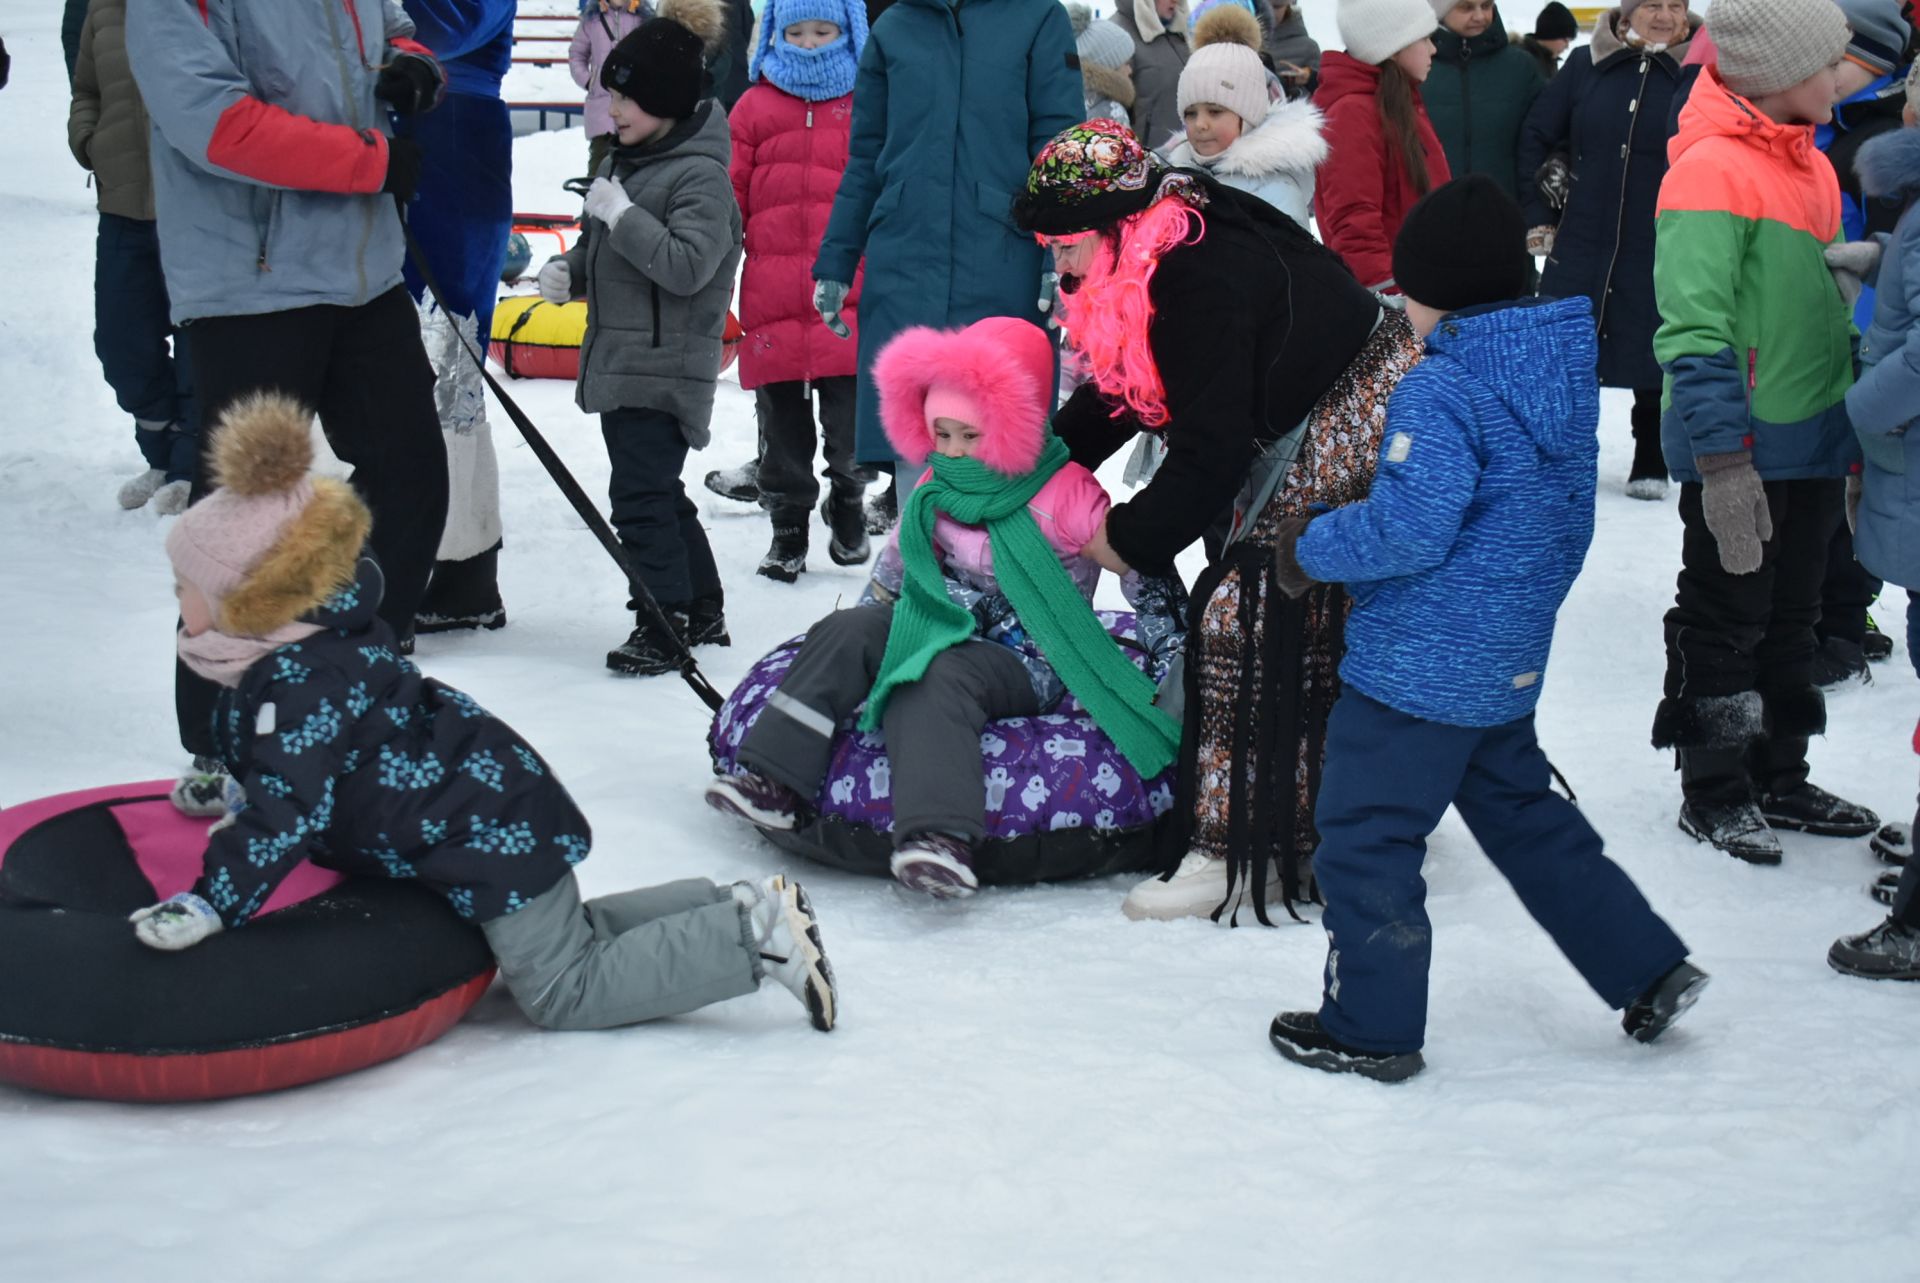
[[1062, 802]]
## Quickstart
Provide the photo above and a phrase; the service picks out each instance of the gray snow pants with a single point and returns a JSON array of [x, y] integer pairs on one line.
[[932, 726], [621, 959]]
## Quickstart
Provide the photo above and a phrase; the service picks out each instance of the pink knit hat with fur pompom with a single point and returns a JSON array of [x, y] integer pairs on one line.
[[995, 375]]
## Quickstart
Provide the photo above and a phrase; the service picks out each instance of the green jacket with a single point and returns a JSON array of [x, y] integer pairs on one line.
[[1477, 96]]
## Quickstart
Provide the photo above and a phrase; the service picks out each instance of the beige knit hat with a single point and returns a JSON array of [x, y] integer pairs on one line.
[[1769, 45], [1225, 67]]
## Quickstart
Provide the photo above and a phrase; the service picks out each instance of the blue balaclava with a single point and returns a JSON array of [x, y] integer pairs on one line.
[[813, 74]]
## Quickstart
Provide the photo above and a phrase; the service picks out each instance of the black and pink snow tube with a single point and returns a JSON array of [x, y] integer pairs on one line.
[[336, 974]]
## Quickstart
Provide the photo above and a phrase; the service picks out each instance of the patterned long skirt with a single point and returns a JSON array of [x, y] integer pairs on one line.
[[1262, 668]]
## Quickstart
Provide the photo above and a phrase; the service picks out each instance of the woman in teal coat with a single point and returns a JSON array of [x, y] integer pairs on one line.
[[951, 105]]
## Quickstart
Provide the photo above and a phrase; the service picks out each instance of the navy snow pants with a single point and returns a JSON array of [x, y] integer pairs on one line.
[[1389, 778], [150, 380]]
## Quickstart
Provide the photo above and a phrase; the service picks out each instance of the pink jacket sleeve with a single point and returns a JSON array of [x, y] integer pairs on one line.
[[1076, 504]]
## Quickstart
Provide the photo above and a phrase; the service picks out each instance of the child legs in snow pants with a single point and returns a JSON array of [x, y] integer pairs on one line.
[[658, 524], [1389, 779], [130, 332], [788, 487], [621, 959], [932, 726]]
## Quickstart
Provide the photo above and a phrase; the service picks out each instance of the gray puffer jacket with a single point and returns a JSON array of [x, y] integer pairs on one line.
[[658, 284], [269, 151]]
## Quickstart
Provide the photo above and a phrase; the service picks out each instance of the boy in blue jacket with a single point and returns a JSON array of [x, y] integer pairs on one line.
[[1457, 563]]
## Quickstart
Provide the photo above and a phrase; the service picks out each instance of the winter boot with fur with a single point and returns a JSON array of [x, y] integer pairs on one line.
[[786, 559], [1298, 1036], [463, 595], [788, 937], [1891, 951], [1653, 1012], [1196, 889], [756, 799], [741, 484], [847, 523], [645, 653], [935, 864], [884, 511], [707, 622]]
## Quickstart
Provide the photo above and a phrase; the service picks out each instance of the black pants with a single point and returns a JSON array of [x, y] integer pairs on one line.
[[656, 521], [364, 371], [151, 381], [1848, 590], [1648, 461], [1727, 634], [788, 487]]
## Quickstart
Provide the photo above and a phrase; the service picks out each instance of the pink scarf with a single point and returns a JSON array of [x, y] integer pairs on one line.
[[225, 659]]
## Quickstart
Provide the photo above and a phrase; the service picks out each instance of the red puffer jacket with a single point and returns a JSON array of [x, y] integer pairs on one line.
[[1363, 193], [788, 155]]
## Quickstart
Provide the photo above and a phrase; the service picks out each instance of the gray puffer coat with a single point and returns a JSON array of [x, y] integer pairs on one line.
[[658, 284]]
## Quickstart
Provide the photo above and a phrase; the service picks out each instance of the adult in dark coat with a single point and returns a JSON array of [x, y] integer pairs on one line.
[[1479, 92], [951, 103], [1604, 121], [72, 18], [729, 64], [1159, 31], [1255, 329]]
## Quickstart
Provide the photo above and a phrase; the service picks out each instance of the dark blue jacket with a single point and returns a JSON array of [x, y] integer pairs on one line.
[[351, 759], [473, 39], [951, 104], [1478, 520], [1608, 112]]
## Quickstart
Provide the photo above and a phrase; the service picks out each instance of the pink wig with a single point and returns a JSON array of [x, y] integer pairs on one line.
[[1108, 316], [995, 375]]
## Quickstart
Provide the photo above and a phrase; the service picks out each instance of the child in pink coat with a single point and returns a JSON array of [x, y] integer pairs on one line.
[[790, 133], [965, 622], [603, 24]]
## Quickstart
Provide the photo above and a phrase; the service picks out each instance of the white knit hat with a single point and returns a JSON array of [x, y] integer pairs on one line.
[[1230, 76], [1375, 30], [1766, 46]]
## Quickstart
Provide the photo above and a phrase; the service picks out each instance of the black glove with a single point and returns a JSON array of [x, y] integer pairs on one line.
[[403, 168], [1293, 581], [1555, 181], [409, 84]]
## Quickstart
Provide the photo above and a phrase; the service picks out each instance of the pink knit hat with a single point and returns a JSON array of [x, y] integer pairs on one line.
[[266, 504]]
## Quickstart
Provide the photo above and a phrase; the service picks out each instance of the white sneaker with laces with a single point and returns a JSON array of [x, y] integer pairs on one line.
[[789, 941], [136, 491], [1194, 891]]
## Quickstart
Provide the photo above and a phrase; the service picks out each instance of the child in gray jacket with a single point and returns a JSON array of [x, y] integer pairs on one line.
[[655, 263]]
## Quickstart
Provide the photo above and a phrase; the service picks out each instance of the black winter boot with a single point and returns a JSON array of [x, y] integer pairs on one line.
[[1719, 807], [787, 557], [1297, 1035], [1839, 663], [847, 523], [1878, 645], [1893, 843], [1650, 1015], [463, 595], [707, 622], [884, 511], [1808, 808], [741, 484], [646, 653], [1891, 951], [1647, 478]]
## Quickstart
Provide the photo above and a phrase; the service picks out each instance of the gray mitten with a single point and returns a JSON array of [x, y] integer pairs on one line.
[[829, 297], [1734, 503], [1854, 264], [1287, 573]]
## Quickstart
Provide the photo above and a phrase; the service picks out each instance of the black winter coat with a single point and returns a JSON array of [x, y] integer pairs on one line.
[[1608, 113], [352, 759], [1251, 326]]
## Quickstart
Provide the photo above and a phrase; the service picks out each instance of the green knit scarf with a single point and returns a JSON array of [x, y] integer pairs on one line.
[[927, 621]]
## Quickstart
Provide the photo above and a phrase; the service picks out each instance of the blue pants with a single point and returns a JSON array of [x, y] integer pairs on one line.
[[130, 333], [463, 212], [657, 523], [1389, 778]]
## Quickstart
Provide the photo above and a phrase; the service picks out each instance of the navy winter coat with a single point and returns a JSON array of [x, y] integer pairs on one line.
[[1479, 517], [950, 107], [1608, 113], [352, 759]]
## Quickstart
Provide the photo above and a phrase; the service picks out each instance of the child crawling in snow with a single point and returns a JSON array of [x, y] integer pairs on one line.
[[980, 609], [349, 757]]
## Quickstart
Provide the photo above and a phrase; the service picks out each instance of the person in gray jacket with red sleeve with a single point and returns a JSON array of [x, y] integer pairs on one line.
[[275, 184]]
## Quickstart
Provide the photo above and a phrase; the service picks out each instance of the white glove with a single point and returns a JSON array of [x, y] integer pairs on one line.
[[178, 922], [828, 298], [1050, 294], [607, 201], [556, 281]]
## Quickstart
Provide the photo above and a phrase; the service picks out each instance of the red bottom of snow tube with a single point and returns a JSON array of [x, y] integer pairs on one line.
[[335, 975]]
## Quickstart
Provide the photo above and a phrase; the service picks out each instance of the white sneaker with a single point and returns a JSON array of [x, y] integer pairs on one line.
[[136, 492], [789, 941], [171, 499], [1195, 890], [1649, 488]]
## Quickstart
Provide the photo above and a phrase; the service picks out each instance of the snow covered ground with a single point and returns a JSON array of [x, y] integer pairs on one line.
[[1028, 1088]]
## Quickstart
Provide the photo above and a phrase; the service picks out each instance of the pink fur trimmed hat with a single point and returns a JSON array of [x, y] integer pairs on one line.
[[996, 375]]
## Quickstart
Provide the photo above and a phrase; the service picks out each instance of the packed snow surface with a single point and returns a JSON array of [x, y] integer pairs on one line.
[[1028, 1087]]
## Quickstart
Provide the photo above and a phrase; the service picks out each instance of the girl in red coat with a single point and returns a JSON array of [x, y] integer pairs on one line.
[[1384, 154], [790, 132]]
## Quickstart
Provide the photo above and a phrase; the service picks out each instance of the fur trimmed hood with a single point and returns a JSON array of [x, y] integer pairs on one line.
[[1107, 84], [1290, 140], [1003, 365], [1889, 166], [1147, 18], [706, 19]]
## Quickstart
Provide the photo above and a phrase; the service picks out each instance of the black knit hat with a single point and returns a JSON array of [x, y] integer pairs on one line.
[[1463, 244], [1555, 22], [660, 65]]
